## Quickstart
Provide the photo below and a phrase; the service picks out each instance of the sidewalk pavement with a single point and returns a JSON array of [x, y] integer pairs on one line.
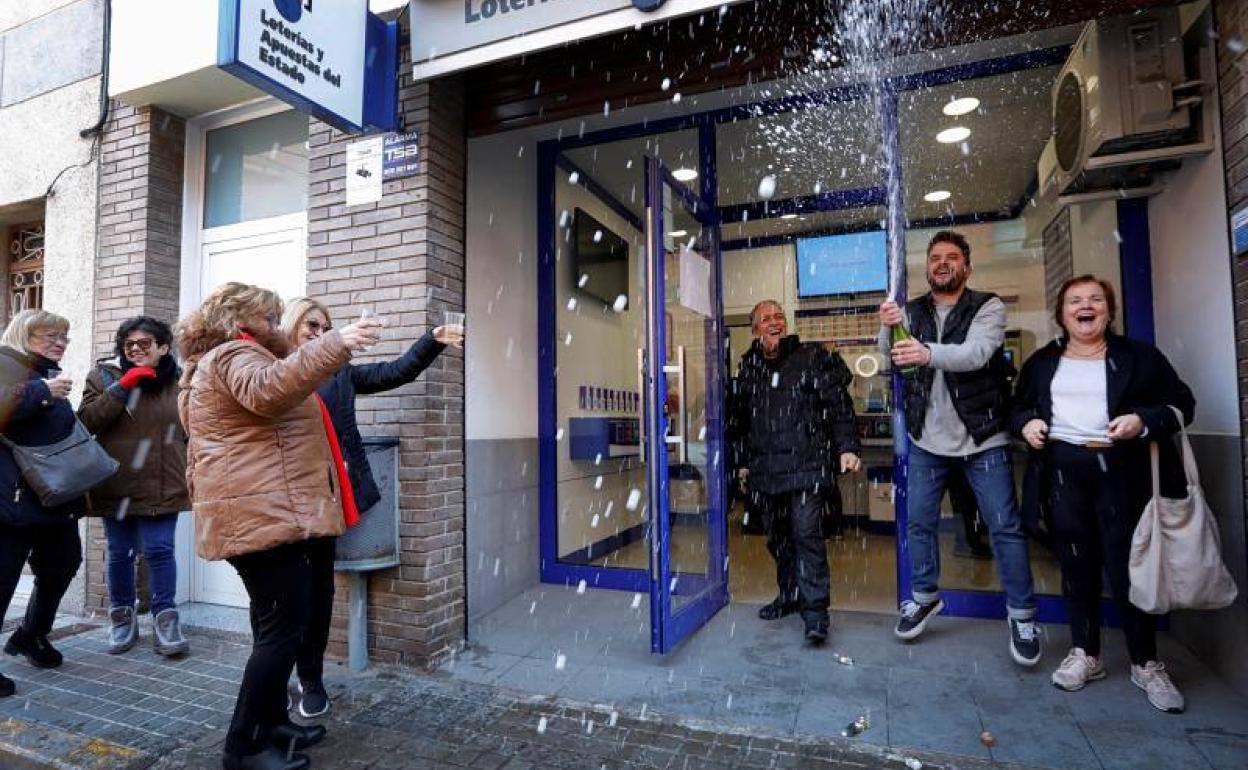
[[139, 711]]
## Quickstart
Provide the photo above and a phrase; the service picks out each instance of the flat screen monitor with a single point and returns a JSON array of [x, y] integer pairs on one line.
[[854, 263], [600, 259]]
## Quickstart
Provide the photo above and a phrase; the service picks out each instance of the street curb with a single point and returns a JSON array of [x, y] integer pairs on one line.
[[32, 746]]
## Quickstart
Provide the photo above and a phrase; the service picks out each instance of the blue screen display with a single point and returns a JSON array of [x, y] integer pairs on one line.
[[842, 264]]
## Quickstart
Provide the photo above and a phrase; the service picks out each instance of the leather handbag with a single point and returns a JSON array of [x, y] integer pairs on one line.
[[64, 470], [1176, 552]]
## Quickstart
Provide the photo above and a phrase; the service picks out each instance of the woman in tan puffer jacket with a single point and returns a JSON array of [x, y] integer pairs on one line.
[[264, 479]]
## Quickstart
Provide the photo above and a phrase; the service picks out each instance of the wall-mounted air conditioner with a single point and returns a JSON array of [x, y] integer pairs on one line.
[[1123, 107]]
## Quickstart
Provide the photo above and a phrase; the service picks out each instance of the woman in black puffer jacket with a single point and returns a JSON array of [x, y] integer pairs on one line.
[[306, 319], [34, 411]]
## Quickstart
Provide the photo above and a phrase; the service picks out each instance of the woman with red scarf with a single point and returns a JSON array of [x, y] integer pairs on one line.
[[266, 480], [305, 322]]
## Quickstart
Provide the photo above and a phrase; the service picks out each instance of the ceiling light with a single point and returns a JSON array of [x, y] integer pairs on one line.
[[678, 233], [685, 174], [961, 106], [936, 196], [953, 135], [788, 216]]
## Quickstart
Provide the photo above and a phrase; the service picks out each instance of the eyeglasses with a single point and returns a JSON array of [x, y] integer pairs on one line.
[[316, 327], [143, 344], [52, 337]]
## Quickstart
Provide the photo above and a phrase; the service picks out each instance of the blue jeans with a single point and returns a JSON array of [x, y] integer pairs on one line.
[[991, 475], [155, 533]]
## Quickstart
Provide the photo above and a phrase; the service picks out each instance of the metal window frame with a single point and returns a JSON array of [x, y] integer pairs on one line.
[[965, 603]]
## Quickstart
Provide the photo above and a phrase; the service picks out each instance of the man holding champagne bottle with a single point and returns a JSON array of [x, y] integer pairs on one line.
[[948, 344]]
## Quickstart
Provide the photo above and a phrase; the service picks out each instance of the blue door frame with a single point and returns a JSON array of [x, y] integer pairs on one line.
[[1137, 304], [707, 592]]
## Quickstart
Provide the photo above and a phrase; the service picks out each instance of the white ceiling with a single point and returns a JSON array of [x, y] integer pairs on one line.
[[837, 147]]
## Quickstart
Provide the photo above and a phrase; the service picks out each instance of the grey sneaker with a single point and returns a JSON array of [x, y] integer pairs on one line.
[[1077, 669], [125, 630], [1155, 682], [169, 640]]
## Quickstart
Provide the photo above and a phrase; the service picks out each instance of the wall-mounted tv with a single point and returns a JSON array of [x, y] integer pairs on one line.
[[600, 261], [854, 263]]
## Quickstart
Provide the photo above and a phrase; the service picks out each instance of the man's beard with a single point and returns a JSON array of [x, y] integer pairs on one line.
[[274, 341], [954, 281]]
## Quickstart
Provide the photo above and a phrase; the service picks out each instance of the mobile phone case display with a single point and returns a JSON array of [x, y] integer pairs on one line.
[[601, 437]]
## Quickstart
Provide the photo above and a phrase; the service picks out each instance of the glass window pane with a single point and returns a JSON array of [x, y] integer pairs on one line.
[[256, 169]]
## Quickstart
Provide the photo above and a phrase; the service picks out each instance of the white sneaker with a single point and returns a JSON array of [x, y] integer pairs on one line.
[[1155, 682], [1077, 669]]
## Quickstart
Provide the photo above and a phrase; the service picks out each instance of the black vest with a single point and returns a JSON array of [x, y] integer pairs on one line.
[[981, 397]]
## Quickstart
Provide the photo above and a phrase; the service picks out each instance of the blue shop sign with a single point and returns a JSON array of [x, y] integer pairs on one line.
[[329, 58]]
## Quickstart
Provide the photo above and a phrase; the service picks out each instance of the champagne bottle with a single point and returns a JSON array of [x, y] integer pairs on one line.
[[899, 333]]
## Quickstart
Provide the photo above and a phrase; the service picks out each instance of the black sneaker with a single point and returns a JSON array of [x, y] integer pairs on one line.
[[37, 650], [1025, 642], [914, 617], [817, 629], [314, 701], [292, 737], [269, 758], [7, 687], [778, 608]]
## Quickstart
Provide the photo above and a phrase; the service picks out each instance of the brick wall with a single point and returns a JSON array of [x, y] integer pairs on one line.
[[140, 245], [1232, 24], [404, 258]]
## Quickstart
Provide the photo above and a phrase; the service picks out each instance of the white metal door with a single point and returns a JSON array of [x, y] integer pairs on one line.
[[265, 252], [246, 245]]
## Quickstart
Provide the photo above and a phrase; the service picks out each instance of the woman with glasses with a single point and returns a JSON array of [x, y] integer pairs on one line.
[[34, 411], [131, 405], [306, 320]]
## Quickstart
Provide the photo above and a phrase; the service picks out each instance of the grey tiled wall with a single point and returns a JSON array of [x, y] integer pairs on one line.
[[502, 529], [54, 50]]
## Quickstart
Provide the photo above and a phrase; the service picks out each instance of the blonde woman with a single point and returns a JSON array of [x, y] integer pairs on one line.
[[305, 321], [265, 478], [34, 411]]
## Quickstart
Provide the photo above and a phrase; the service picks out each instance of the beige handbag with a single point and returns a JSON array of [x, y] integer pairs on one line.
[[1176, 552]]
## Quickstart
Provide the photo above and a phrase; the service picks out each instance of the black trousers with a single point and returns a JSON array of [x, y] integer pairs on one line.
[[1093, 514], [310, 661], [278, 582], [55, 553], [794, 522]]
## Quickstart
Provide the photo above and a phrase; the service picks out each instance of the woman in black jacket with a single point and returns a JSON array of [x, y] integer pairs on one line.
[[306, 319], [34, 411], [1089, 404]]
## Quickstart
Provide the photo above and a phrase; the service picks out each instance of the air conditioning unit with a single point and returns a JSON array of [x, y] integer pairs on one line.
[[1120, 105]]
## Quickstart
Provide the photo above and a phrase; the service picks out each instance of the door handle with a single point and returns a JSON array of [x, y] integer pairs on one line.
[[641, 407], [681, 440]]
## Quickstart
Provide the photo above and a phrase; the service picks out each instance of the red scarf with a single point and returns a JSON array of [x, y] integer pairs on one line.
[[350, 512]]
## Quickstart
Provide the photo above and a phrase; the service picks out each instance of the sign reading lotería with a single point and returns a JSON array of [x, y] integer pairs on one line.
[[450, 35], [309, 53]]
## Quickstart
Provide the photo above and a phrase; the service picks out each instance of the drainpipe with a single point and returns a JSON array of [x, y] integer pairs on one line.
[[108, 39]]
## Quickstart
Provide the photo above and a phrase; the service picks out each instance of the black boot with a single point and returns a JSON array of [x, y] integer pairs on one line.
[[816, 628], [293, 737], [270, 758], [36, 649], [778, 608], [7, 687]]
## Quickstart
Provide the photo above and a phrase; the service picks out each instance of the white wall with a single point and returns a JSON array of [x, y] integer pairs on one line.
[[753, 275], [1192, 289], [156, 40], [501, 277]]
